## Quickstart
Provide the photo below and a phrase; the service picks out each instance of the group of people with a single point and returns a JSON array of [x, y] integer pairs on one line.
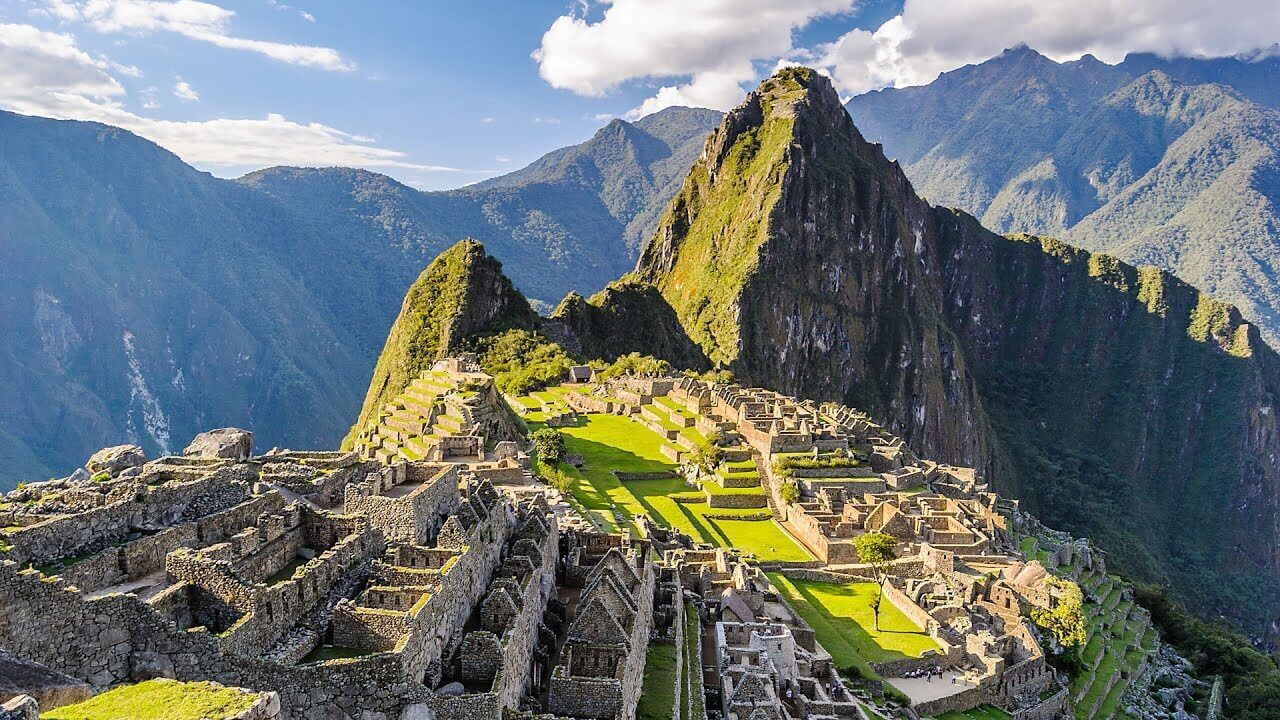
[[928, 673]]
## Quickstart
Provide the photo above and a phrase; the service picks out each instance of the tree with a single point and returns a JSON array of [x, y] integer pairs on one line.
[[876, 549], [790, 491], [706, 455], [1065, 620], [548, 445]]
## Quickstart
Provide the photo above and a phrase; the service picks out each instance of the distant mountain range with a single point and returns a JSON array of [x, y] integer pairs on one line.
[[1174, 163], [142, 300]]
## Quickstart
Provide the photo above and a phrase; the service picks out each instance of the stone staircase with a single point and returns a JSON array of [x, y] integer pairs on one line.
[[411, 426], [1120, 643]]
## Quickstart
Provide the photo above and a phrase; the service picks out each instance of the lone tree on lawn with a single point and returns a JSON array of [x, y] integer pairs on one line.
[[548, 445], [876, 549]]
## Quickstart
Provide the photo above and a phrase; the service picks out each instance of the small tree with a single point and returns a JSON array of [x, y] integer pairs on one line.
[[548, 445], [876, 549], [706, 455], [1065, 620], [790, 491]]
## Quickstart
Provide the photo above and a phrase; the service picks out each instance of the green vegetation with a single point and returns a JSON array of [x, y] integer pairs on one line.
[[522, 361], [790, 491], [548, 445], [876, 549], [101, 476], [718, 224], [159, 700], [1065, 622], [635, 364], [611, 442], [693, 703], [658, 697], [784, 463], [1251, 677], [843, 618]]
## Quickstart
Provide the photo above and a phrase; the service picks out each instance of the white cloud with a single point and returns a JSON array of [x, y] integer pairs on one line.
[[47, 74], [546, 120], [194, 19], [933, 36], [184, 92], [486, 120], [307, 16], [710, 42]]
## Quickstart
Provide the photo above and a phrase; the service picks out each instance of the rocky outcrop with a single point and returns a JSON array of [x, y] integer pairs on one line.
[[116, 459], [462, 293], [227, 443]]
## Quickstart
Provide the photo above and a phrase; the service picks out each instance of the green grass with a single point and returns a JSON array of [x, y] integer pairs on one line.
[[842, 618], [660, 684], [693, 703], [158, 700], [612, 442], [716, 488]]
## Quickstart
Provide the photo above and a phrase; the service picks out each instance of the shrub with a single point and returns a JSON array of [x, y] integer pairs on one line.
[[548, 445], [1065, 621], [790, 491], [101, 476]]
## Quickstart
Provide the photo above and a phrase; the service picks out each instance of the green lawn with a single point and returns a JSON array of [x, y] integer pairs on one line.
[[158, 700], [660, 684], [842, 618], [612, 442]]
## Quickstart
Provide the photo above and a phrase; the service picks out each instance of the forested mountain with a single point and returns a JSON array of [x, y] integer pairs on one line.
[[144, 301], [1171, 162]]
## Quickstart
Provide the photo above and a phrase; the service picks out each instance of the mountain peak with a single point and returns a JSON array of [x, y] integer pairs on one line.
[[463, 292]]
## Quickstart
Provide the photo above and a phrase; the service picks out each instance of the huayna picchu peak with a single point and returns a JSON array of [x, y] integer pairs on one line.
[[826, 452]]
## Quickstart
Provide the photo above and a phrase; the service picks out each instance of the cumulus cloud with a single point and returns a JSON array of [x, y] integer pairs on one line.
[[184, 92], [193, 19], [712, 43], [933, 36], [47, 74]]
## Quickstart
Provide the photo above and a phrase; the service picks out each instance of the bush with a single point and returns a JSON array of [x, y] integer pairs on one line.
[[101, 476], [548, 445], [790, 491], [554, 476], [1065, 621]]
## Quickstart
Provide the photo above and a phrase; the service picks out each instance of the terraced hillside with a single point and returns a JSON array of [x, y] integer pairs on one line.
[[439, 414], [1121, 640]]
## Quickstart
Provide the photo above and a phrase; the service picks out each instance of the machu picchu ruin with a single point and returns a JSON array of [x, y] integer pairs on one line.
[[703, 564]]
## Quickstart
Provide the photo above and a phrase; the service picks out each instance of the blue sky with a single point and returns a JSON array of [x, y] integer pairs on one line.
[[440, 94]]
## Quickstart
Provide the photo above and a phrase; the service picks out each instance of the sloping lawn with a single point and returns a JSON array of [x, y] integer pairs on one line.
[[158, 700], [842, 617], [613, 442]]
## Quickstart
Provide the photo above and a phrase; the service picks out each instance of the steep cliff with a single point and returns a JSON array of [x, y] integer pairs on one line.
[[462, 293], [1115, 401], [794, 256]]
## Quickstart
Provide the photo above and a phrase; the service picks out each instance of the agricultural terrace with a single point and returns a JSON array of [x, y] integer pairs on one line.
[[843, 620], [612, 442]]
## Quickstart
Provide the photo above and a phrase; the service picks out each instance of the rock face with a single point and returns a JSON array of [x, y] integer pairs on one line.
[[462, 293], [51, 689], [232, 443], [794, 255], [117, 458], [1116, 402]]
